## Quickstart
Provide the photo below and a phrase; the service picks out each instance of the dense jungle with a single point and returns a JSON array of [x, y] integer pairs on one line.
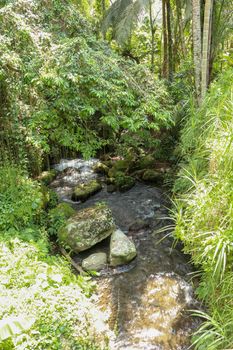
[[116, 174]]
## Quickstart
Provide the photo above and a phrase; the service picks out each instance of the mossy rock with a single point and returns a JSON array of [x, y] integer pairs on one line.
[[101, 168], [64, 210], [86, 228], [145, 162], [84, 191], [152, 176], [122, 165], [46, 177], [123, 182]]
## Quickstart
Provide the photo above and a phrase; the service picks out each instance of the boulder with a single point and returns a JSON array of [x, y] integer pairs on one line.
[[95, 262], [152, 176], [124, 182], [121, 165], [122, 249], [83, 191], [86, 228], [121, 182], [101, 168]]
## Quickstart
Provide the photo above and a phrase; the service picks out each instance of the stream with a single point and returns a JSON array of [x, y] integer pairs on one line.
[[148, 300]]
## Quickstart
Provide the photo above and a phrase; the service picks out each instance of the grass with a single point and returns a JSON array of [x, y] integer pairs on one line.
[[204, 209]]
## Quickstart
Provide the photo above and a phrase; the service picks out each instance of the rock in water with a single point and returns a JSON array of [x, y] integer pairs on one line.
[[101, 168], [84, 191], [152, 176], [95, 262], [86, 228], [122, 249]]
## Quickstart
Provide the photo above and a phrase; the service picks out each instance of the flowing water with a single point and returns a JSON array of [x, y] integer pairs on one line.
[[147, 301]]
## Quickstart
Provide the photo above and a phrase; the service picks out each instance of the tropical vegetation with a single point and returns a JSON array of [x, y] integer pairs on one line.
[[125, 78]]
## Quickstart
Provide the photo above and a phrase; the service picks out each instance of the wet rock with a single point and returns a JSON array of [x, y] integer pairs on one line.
[[101, 168], [83, 191], [152, 176], [138, 225], [70, 172], [95, 262], [122, 249], [46, 177], [86, 228]]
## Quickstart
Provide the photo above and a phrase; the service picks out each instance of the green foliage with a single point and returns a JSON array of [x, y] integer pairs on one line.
[[57, 217], [43, 288], [61, 87], [43, 305], [203, 215], [20, 200]]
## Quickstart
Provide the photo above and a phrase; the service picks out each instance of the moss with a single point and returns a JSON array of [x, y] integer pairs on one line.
[[152, 176], [46, 177], [101, 168], [145, 162], [124, 182], [84, 191], [122, 165]]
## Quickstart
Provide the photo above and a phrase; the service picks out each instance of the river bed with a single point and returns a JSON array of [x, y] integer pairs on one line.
[[148, 300]]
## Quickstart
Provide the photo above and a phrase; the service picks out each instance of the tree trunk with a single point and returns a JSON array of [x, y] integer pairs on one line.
[[181, 27], [152, 29], [196, 13], [165, 43], [206, 44], [169, 36]]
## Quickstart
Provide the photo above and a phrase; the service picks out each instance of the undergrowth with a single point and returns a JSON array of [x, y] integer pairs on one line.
[[204, 209], [37, 285], [61, 88]]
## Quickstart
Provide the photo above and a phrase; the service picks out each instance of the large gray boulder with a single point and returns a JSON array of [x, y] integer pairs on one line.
[[86, 228], [122, 249], [95, 262]]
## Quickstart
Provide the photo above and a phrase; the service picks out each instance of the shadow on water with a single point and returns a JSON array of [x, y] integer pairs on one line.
[[147, 300]]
